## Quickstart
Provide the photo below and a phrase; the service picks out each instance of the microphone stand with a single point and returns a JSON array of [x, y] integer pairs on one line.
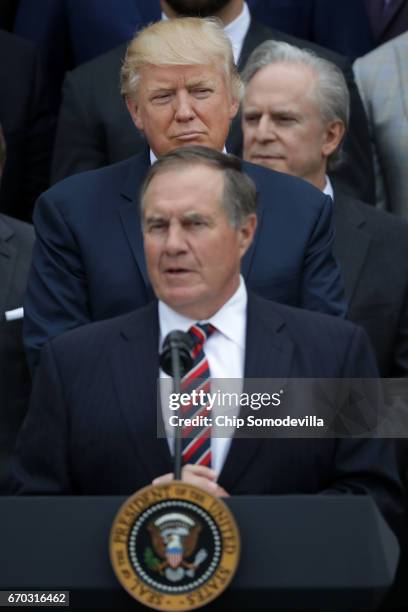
[[176, 360]]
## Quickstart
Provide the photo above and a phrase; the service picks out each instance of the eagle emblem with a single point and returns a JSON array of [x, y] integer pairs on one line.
[[174, 538]]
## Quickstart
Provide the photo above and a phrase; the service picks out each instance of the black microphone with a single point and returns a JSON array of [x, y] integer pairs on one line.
[[183, 344], [176, 360]]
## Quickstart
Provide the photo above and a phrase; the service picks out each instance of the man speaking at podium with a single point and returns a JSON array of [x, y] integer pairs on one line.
[[92, 425]]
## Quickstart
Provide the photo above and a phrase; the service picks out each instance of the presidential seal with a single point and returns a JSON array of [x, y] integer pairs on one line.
[[174, 546]]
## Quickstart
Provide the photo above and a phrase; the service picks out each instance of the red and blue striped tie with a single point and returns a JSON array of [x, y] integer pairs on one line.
[[196, 439]]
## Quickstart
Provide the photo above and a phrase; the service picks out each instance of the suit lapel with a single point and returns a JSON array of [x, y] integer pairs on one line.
[[391, 13], [252, 39], [8, 256], [379, 18], [352, 243], [268, 354], [135, 366], [129, 211]]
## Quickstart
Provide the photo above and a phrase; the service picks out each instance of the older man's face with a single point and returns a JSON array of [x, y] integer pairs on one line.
[[183, 105], [192, 252], [282, 127]]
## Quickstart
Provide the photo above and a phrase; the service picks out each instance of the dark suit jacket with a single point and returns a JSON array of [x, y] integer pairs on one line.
[[95, 128], [342, 26], [89, 264], [372, 250], [389, 24], [92, 425], [28, 122], [16, 242]]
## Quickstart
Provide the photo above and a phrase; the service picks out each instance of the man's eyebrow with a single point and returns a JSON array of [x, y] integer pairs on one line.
[[159, 87], [194, 216], [200, 82], [251, 110], [155, 218]]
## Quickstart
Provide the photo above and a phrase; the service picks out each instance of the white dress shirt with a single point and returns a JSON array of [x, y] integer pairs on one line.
[[328, 188], [237, 30], [225, 352]]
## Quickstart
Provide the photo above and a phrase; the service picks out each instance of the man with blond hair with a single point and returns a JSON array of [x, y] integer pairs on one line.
[[181, 87]]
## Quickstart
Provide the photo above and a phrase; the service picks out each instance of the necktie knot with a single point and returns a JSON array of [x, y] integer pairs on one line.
[[200, 332]]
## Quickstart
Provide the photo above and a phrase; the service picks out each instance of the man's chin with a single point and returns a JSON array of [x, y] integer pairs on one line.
[[273, 163]]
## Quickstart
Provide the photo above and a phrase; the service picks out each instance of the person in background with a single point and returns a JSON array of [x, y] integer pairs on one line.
[[28, 119], [16, 242], [295, 116], [382, 78]]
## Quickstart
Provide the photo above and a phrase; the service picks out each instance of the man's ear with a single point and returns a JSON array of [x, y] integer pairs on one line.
[[333, 135], [247, 232], [133, 109], [234, 107]]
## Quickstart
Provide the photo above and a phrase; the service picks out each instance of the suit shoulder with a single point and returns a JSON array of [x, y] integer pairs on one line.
[[99, 336], [23, 233], [384, 52], [100, 67], [305, 324], [382, 224], [23, 229], [266, 33], [16, 45], [92, 180], [296, 190]]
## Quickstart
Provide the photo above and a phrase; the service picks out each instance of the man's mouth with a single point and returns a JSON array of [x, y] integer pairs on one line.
[[186, 136], [266, 156], [174, 271]]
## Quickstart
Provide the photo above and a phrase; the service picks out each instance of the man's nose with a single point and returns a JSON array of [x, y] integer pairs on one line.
[[175, 240], [184, 110], [265, 131]]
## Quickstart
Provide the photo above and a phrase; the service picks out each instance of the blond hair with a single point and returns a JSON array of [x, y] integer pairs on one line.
[[183, 41]]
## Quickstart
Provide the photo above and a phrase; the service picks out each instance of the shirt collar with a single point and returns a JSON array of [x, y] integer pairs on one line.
[[328, 188], [230, 319]]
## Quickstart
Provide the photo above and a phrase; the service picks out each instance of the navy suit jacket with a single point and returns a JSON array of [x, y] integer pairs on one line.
[[371, 247], [88, 261], [92, 425], [341, 26]]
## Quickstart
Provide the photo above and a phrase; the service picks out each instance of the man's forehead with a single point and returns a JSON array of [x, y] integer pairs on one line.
[[191, 187], [282, 80], [169, 74], [289, 95]]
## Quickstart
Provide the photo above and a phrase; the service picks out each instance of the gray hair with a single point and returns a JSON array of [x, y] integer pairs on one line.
[[239, 192], [2, 151], [331, 92]]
